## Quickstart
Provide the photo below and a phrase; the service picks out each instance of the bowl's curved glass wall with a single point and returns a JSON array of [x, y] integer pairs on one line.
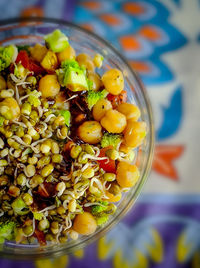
[[32, 31]]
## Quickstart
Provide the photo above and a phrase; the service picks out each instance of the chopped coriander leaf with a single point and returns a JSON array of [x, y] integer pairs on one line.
[[96, 209], [90, 84], [7, 230], [56, 41], [7, 56], [67, 116], [101, 220], [33, 99], [70, 63], [38, 215], [72, 76], [75, 80], [110, 139], [19, 207], [94, 96]]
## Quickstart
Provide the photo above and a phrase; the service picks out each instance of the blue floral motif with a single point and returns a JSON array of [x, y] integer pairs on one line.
[[172, 116], [150, 51]]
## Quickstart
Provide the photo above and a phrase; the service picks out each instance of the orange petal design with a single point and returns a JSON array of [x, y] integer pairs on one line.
[[133, 8], [110, 19], [163, 160], [140, 66], [32, 12], [129, 42], [150, 33], [87, 26], [92, 5]]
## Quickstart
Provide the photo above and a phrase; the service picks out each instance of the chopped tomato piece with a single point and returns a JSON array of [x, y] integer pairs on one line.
[[34, 67], [29, 63], [80, 118], [123, 96], [40, 237], [117, 99], [23, 58], [107, 165], [68, 146]]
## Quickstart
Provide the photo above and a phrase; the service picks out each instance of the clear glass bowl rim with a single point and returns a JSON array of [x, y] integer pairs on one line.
[[57, 252]]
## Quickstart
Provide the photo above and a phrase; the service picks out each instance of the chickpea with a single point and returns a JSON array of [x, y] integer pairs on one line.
[[38, 52], [2, 83], [85, 60], [11, 84], [113, 121], [127, 174], [98, 60], [67, 54], [94, 77], [49, 62], [85, 224], [131, 111], [100, 108], [113, 81], [49, 86], [113, 198], [125, 149], [90, 132], [130, 154], [9, 108], [134, 133]]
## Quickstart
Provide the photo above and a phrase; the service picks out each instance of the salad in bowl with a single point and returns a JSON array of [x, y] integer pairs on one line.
[[68, 140]]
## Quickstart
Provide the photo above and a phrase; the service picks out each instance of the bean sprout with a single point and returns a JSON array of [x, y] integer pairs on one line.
[[15, 172], [68, 222], [40, 111], [47, 208], [30, 192], [11, 150], [71, 98], [94, 204], [65, 178], [1, 212], [98, 183], [49, 117], [20, 124], [58, 234], [85, 166], [104, 186], [45, 126], [65, 203], [89, 156], [69, 193], [19, 140]]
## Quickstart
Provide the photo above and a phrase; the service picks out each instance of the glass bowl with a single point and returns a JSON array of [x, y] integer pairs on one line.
[[30, 31]]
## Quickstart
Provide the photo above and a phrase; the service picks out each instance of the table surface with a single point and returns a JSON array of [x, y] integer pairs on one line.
[[161, 40]]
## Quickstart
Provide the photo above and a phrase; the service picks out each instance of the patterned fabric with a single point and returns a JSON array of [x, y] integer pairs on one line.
[[161, 40]]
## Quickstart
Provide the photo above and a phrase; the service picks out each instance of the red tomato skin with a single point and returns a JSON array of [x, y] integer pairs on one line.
[[117, 99], [23, 58], [107, 165]]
